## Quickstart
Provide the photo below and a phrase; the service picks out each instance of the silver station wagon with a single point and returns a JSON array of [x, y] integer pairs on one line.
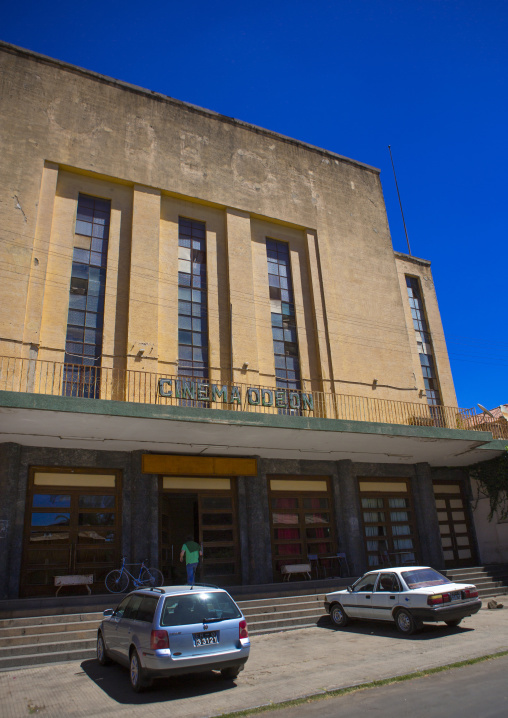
[[169, 631], [409, 596]]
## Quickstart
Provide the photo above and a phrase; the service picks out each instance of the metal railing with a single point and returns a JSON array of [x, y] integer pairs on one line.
[[112, 384]]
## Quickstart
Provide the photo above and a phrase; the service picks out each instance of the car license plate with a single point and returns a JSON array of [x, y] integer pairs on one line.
[[205, 639], [455, 595]]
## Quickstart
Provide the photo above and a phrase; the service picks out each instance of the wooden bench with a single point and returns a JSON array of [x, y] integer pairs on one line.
[[62, 581], [292, 568]]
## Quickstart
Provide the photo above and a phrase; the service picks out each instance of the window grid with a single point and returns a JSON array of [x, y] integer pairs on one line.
[[424, 341], [285, 339], [83, 346], [192, 300]]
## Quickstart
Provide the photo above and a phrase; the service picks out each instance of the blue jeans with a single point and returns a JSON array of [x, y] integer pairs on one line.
[[191, 573]]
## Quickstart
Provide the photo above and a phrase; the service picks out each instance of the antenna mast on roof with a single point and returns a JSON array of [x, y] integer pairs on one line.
[[400, 203]]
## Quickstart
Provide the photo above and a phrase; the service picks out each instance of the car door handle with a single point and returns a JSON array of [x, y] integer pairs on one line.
[[367, 596], [392, 597]]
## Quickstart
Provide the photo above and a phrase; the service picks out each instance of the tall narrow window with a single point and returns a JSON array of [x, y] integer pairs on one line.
[[192, 304], [83, 346], [424, 341], [285, 340]]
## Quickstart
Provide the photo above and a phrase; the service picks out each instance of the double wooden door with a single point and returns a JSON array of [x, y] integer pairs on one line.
[[454, 524], [69, 529]]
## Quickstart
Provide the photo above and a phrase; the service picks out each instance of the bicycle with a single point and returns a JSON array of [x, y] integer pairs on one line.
[[117, 581]]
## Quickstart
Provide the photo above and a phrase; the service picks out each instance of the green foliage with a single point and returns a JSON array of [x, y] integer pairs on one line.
[[492, 478]]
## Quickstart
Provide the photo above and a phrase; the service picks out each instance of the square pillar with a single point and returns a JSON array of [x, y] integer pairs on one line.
[[426, 517]]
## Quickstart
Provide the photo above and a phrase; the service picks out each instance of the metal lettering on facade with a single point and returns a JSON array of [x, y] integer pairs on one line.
[[214, 393]]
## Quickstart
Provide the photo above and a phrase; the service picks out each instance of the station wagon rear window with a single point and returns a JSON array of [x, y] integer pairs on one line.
[[199, 607], [423, 577]]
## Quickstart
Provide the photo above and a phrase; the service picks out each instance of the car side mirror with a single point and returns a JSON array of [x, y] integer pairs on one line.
[[349, 589], [108, 612]]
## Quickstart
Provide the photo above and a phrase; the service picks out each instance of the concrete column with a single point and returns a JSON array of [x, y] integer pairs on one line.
[[348, 512], [143, 324], [320, 323], [258, 528], [12, 506], [241, 290], [243, 528], [426, 517], [144, 514], [40, 256]]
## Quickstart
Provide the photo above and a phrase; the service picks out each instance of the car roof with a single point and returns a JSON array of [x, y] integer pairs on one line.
[[179, 590], [400, 569]]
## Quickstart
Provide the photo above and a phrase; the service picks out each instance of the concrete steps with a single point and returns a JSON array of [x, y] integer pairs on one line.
[[490, 580], [33, 640], [50, 632]]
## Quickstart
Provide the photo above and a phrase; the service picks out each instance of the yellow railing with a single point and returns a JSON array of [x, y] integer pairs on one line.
[[59, 379]]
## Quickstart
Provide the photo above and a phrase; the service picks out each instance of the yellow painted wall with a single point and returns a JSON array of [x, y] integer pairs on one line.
[[67, 131]]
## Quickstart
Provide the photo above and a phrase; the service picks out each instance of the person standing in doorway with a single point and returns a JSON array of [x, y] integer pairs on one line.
[[192, 551]]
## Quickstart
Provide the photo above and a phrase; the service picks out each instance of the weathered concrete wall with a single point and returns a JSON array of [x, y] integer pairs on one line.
[[65, 130], [414, 267], [492, 535]]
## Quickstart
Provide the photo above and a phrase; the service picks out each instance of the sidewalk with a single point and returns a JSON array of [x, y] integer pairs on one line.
[[282, 666]]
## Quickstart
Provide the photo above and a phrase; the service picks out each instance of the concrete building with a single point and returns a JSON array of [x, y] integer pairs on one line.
[[204, 330]]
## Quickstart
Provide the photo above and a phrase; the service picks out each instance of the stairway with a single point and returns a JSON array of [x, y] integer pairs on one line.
[[489, 580], [31, 640], [48, 631]]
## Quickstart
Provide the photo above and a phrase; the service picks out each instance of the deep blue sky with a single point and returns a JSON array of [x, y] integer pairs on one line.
[[428, 77]]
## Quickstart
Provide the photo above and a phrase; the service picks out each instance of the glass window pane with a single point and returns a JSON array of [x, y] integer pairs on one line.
[[284, 518], [317, 518], [96, 501], [51, 519], [96, 519], [48, 501], [217, 519]]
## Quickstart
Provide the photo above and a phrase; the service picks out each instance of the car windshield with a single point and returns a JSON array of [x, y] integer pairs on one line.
[[422, 577], [198, 608]]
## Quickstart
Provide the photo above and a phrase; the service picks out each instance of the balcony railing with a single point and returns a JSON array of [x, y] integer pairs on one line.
[[58, 379]]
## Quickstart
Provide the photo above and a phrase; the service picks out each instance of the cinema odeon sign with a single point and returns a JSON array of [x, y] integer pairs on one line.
[[224, 394]]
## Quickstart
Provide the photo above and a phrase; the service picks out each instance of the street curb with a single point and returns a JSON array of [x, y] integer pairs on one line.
[[336, 692]]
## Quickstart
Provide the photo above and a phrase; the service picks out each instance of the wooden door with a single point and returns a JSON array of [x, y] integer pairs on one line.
[[454, 524], [69, 529]]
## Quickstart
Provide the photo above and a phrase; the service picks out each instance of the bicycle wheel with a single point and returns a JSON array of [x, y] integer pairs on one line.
[[116, 581], [151, 577]]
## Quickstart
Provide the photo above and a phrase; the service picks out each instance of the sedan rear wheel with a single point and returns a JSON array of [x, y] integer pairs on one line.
[[406, 623], [454, 623], [339, 616]]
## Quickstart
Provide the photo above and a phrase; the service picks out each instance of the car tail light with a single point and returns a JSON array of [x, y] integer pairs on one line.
[[438, 599], [159, 639], [243, 632], [470, 593]]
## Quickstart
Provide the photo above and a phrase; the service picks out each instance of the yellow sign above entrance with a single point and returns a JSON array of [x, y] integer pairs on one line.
[[197, 465]]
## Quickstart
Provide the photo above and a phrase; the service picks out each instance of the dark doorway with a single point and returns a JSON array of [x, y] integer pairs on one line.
[[179, 519]]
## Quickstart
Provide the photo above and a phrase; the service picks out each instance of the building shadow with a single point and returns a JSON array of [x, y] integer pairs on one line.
[[387, 629], [114, 681]]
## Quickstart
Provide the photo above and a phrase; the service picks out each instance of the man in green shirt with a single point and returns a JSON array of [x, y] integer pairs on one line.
[[192, 551]]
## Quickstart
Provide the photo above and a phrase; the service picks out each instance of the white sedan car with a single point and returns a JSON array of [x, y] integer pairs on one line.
[[408, 595]]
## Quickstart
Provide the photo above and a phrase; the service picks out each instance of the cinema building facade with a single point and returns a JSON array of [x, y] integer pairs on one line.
[[204, 330]]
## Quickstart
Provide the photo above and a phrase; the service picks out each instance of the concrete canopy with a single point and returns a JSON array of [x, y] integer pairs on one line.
[[61, 422]]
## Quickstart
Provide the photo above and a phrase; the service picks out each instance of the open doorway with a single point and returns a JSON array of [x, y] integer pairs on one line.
[[211, 518], [179, 519]]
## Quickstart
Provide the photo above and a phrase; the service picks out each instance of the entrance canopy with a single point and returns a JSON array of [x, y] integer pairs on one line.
[[67, 422]]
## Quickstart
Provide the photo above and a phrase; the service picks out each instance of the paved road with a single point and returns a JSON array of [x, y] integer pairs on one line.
[[477, 691], [282, 666]]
